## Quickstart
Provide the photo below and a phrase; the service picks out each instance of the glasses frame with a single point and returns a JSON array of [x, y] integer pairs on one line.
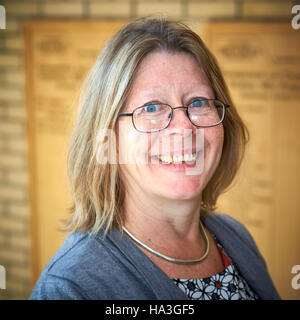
[[223, 105]]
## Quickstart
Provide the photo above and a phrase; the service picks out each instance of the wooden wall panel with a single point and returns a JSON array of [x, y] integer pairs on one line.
[[261, 64], [58, 57]]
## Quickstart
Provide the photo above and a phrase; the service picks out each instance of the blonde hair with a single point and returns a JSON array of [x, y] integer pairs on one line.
[[97, 190]]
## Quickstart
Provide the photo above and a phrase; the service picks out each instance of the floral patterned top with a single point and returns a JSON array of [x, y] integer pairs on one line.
[[226, 285]]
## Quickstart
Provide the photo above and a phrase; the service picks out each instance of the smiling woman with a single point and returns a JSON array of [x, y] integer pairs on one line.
[[168, 179], [146, 229]]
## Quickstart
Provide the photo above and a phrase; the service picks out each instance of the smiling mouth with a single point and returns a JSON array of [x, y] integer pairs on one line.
[[177, 159]]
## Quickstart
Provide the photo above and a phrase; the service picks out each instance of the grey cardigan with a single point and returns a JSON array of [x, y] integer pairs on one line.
[[93, 267]]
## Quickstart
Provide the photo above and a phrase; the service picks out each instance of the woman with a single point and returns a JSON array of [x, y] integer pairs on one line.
[[143, 226]]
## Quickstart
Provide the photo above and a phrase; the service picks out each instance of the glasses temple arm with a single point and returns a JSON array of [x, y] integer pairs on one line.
[[125, 114]]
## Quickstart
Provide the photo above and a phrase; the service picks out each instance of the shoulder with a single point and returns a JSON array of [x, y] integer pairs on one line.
[[227, 226], [70, 274], [79, 252], [93, 267], [224, 220]]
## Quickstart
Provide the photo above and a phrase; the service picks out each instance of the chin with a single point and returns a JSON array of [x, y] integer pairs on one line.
[[183, 189]]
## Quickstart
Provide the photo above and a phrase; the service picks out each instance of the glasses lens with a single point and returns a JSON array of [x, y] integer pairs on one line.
[[152, 117], [206, 113]]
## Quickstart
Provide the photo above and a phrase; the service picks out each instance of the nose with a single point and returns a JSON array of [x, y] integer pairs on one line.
[[180, 119]]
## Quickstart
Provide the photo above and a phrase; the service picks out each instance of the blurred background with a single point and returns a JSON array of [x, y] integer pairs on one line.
[[46, 49]]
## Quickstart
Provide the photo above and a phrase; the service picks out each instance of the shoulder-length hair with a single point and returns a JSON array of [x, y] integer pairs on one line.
[[96, 189]]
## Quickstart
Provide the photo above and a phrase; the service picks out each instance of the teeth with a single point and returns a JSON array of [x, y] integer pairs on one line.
[[166, 159], [178, 158], [188, 157]]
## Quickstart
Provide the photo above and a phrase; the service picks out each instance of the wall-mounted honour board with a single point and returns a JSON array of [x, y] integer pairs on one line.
[[261, 64], [58, 57]]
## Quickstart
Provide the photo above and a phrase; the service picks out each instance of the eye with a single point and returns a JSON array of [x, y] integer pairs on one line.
[[152, 108], [198, 103]]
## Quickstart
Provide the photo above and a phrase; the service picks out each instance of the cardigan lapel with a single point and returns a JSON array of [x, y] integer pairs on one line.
[[161, 285]]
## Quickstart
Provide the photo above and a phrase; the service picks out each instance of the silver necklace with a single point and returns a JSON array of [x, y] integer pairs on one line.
[[169, 258]]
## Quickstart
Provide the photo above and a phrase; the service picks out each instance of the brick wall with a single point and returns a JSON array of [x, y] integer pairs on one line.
[[14, 210]]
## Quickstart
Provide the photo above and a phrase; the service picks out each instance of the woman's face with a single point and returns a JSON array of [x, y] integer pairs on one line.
[[174, 79]]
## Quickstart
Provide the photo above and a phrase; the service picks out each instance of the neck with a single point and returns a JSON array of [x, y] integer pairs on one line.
[[163, 221]]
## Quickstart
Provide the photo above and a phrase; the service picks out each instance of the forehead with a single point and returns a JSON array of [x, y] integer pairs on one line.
[[165, 73]]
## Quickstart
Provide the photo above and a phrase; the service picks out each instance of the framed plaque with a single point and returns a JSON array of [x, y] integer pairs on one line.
[[58, 57], [261, 64]]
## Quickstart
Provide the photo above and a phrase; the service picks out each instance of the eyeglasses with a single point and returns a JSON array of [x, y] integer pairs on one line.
[[155, 116]]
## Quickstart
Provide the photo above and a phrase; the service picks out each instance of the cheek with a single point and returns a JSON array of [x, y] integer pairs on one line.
[[214, 138], [132, 145], [214, 142], [138, 148]]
